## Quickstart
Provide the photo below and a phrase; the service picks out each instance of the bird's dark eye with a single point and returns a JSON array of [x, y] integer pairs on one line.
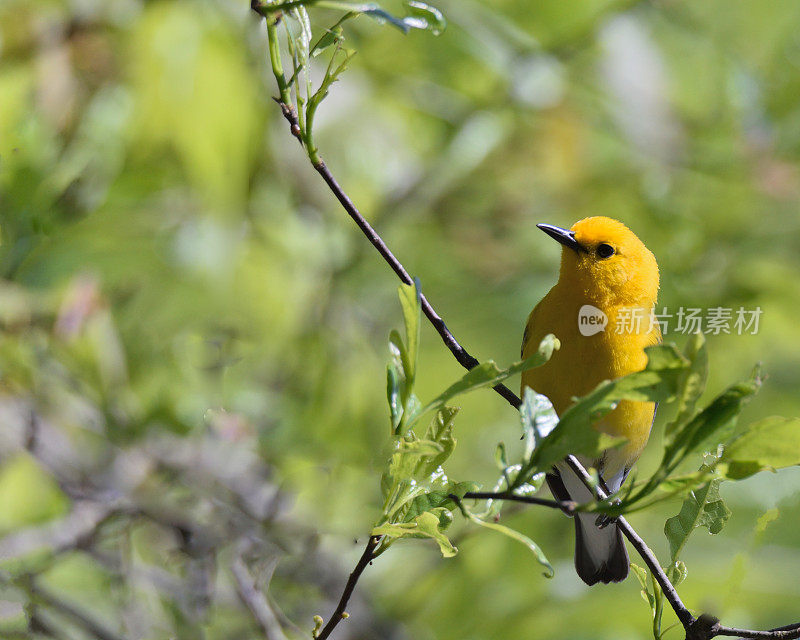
[[604, 250]]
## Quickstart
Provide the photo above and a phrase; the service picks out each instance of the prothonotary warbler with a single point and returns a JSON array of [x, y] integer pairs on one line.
[[600, 309]]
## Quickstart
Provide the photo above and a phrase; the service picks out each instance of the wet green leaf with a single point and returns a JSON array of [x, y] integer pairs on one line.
[[333, 35], [415, 481], [425, 525], [427, 16], [440, 431], [439, 498], [678, 572], [538, 419], [420, 16], [403, 404], [393, 383]]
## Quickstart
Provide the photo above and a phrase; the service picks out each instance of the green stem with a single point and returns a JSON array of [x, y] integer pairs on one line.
[[658, 611], [275, 59]]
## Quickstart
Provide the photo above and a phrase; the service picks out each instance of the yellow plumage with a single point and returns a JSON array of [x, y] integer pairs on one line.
[[606, 266]]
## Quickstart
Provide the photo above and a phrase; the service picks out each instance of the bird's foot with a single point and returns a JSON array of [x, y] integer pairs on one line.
[[603, 520]]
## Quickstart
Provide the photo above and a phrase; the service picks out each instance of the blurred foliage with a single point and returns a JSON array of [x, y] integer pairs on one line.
[[191, 325]]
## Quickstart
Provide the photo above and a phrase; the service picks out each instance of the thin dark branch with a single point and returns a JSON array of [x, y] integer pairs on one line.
[[789, 632], [567, 506], [339, 614], [464, 358]]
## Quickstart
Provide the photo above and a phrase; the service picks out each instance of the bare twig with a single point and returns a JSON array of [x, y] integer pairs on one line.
[[340, 613], [256, 601]]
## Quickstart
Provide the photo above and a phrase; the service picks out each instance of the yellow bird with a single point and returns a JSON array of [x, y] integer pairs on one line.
[[600, 309]]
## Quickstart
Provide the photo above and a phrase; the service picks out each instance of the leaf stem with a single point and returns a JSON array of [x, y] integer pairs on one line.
[[567, 506]]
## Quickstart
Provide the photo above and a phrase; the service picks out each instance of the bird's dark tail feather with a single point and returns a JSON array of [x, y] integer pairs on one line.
[[612, 567]]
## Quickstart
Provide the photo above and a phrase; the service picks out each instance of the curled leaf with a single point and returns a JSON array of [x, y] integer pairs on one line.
[[514, 535]]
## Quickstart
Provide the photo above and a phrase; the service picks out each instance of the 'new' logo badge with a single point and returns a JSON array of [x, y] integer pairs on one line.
[[591, 320]]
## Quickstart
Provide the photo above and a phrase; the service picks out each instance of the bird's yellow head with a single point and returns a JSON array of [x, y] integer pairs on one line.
[[606, 262]]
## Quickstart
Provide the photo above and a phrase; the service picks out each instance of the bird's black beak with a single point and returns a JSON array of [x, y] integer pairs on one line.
[[564, 236]]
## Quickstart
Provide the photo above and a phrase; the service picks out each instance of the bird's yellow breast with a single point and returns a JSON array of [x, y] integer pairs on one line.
[[583, 361]]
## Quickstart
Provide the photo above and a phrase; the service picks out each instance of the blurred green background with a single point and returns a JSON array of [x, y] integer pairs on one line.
[[178, 281]]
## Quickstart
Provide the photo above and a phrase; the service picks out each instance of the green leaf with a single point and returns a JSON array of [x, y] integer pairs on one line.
[[332, 74], [28, 494], [398, 484], [333, 35], [394, 381], [713, 425], [427, 17], [678, 572], [404, 461], [487, 374], [703, 507], [439, 498], [425, 525], [652, 595], [500, 456], [769, 444], [641, 575], [574, 433], [410, 302], [692, 383], [399, 354], [330, 37], [440, 431], [415, 481]]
